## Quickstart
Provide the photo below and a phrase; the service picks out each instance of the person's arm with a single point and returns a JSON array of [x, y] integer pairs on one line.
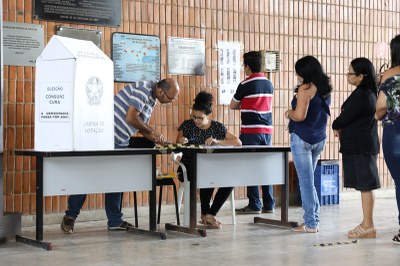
[[180, 138], [133, 118], [358, 104], [234, 105], [230, 140], [381, 107], [303, 101]]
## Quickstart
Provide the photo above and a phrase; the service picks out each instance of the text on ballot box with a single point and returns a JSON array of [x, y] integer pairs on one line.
[[74, 97]]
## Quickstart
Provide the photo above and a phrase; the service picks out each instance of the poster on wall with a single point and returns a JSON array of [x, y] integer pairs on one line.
[[136, 57], [186, 56], [229, 70], [22, 43], [99, 12]]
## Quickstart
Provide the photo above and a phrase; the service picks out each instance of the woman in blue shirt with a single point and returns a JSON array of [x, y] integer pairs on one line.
[[307, 127]]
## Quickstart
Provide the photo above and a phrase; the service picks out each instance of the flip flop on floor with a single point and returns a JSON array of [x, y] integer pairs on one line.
[[210, 221]]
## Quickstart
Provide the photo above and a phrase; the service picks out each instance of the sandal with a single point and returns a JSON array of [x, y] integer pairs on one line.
[[67, 224], [302, 228], [396, 238], [210, 221], [360, 232]]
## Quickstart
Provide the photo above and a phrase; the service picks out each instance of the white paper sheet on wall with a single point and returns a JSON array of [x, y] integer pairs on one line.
[[229, 70]]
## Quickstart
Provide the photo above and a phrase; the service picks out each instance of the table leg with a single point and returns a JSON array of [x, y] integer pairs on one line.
[[284, 202], [152, 210], [192, 229], [38, 242]]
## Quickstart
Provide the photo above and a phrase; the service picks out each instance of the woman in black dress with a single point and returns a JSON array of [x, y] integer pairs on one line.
[[357, 130]]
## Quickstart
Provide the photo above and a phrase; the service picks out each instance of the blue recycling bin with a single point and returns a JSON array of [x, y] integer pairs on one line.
[[326, 181]]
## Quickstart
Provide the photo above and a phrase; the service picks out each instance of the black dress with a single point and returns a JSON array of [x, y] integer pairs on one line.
[[359, 142]]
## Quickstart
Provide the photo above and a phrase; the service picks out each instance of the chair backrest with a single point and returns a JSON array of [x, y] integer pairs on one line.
[[176, 157]]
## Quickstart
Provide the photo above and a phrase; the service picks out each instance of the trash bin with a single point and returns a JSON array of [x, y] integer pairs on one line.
[[326, 181]]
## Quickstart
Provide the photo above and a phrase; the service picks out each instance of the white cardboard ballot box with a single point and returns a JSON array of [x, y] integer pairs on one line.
[[74, 97]]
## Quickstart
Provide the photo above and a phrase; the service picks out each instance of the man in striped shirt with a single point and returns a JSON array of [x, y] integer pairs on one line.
[[253, 98], [133, 106]]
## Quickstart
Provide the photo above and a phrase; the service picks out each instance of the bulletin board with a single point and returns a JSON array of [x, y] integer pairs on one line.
[[136, 57]]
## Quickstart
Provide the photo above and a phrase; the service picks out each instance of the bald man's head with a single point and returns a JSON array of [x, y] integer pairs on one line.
[[167, 90]]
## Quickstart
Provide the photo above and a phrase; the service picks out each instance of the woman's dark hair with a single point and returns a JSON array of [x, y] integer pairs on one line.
[[310, 69], [203, 102], [395, 51], [362, 66]]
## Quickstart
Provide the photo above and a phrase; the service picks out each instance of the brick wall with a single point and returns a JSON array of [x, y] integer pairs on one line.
[[335, 31]]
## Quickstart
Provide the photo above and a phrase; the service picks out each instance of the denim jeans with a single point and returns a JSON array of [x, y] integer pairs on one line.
[[253, 192], [391, 153], [305, 157], [112, 206]]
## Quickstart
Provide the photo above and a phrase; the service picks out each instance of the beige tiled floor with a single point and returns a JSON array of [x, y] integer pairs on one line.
[[242, 244]]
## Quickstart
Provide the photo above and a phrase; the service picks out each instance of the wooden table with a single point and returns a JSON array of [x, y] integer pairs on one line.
[[238, 166], [85, 172]]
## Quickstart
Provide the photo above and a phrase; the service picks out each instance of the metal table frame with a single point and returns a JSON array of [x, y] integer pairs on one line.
[[42, 156], [242, 151]]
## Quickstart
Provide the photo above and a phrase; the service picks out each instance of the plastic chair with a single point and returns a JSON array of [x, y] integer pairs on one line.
[[184, 192]]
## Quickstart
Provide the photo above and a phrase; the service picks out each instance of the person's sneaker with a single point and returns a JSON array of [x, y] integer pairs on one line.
[[67, 224], [268, 210], [302, 228], [247, 210], [123, 226]]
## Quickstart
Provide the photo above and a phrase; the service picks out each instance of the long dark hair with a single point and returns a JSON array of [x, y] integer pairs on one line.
[[395, 51], [362, 66], [310, 69], [203, 102]]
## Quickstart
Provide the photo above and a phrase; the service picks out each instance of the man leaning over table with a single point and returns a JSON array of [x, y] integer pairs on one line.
[[253, 97], [133, 107]]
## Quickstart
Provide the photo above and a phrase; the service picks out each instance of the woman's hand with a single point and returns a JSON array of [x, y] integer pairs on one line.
[[182, 140], [336, 133], [287, 114], [211, 141]]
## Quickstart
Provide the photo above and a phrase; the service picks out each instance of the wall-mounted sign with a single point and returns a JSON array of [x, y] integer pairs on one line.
[[22, 43], [229, 70], [80, 34], [186, 56], [99, 12], [271, 61], [136, 57]]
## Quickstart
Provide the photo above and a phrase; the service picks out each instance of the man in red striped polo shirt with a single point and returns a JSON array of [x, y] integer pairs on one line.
[[253, 98]]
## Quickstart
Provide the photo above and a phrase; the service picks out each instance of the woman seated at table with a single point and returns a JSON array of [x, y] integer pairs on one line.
[[202, 130]]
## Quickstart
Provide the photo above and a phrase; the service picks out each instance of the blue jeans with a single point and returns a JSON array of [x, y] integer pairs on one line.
[[253, 192], [391, 153], [112, 206], [305, 157]]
